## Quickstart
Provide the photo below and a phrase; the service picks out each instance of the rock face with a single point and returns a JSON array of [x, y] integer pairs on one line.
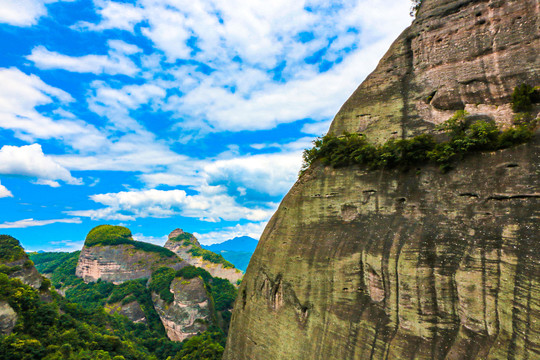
[[458, 54], [181, 243], [8, 318], [131, 310], [360, 264], [110, 254], [26, 272], [119, 263], [189, 313]]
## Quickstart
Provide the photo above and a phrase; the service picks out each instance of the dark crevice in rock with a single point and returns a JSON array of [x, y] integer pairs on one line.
[[512, 197], [406, 84], [473, 195]]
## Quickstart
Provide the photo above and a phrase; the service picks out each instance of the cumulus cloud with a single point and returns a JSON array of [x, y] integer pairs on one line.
[[269, 174], [23, 12], [31, 222], [20, 94], [209, 205], [253, 230], [115, 15], [4, 192], [116, 62], [30, 161]]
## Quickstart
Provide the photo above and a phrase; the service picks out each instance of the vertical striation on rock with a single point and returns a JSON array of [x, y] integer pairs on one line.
[[363, 264]]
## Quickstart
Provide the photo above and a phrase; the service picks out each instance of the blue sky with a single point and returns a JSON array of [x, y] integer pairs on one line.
[[158, 114]]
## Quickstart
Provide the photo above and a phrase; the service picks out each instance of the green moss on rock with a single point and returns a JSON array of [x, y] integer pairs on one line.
[[110, 235]]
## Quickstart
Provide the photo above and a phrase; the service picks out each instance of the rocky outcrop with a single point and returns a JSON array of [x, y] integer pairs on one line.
[[181, 243], [458, 54], [25, 271], [364, 264], [119, 263], [190, 313], [8, 318], [110, 254], [132, 310]]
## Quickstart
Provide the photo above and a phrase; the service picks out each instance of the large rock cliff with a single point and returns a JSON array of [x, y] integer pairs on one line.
[[110, 254], [191, 311], [365, 264], [188, 248]]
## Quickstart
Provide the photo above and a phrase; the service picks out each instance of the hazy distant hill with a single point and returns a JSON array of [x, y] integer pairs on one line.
[[237, 251], [243, 244]]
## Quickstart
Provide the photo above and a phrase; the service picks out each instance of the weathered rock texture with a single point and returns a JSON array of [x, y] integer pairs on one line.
[[119, 263], [27, 273], [8, 318], [190, 313], [132, 310], [359, 264], [458, 54], [216, 270]]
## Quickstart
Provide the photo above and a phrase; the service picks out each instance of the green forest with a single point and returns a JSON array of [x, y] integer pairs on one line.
[[78, 326]]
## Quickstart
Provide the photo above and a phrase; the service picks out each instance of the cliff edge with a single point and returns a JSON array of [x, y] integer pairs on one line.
[[386, 264], [111, 254]]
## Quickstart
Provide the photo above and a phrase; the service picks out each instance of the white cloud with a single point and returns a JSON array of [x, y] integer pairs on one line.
[[4, 192], [211, 204], [30, 161], [23, 12], [156, 240], [271, 174], [114, 15], [253, 230], [31, 222], [20, 94], [116, 62]]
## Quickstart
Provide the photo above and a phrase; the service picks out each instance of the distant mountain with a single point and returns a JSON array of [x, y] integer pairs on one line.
[[237, 251], [243, 244]]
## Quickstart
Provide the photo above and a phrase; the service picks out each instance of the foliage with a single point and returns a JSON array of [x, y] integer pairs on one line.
[[118, 235], [10, 249], [207, 346], [116, 336], [523, 98], [415, 7], [210, 256], [185, 237], [43, 329], [464, 138], [160, 283], [221, 290], [108, 235]]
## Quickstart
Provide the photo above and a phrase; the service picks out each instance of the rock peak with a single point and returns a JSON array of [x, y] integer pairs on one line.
[[176, 232]]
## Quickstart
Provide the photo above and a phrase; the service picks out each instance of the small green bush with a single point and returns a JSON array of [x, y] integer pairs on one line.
[[210, 256], [523, 98]]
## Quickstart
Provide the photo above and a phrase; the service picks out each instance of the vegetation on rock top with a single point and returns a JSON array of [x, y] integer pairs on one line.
[[188, 239], [463, 136], [210, 256], [10, 249], [221, 290], [110, 235]]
